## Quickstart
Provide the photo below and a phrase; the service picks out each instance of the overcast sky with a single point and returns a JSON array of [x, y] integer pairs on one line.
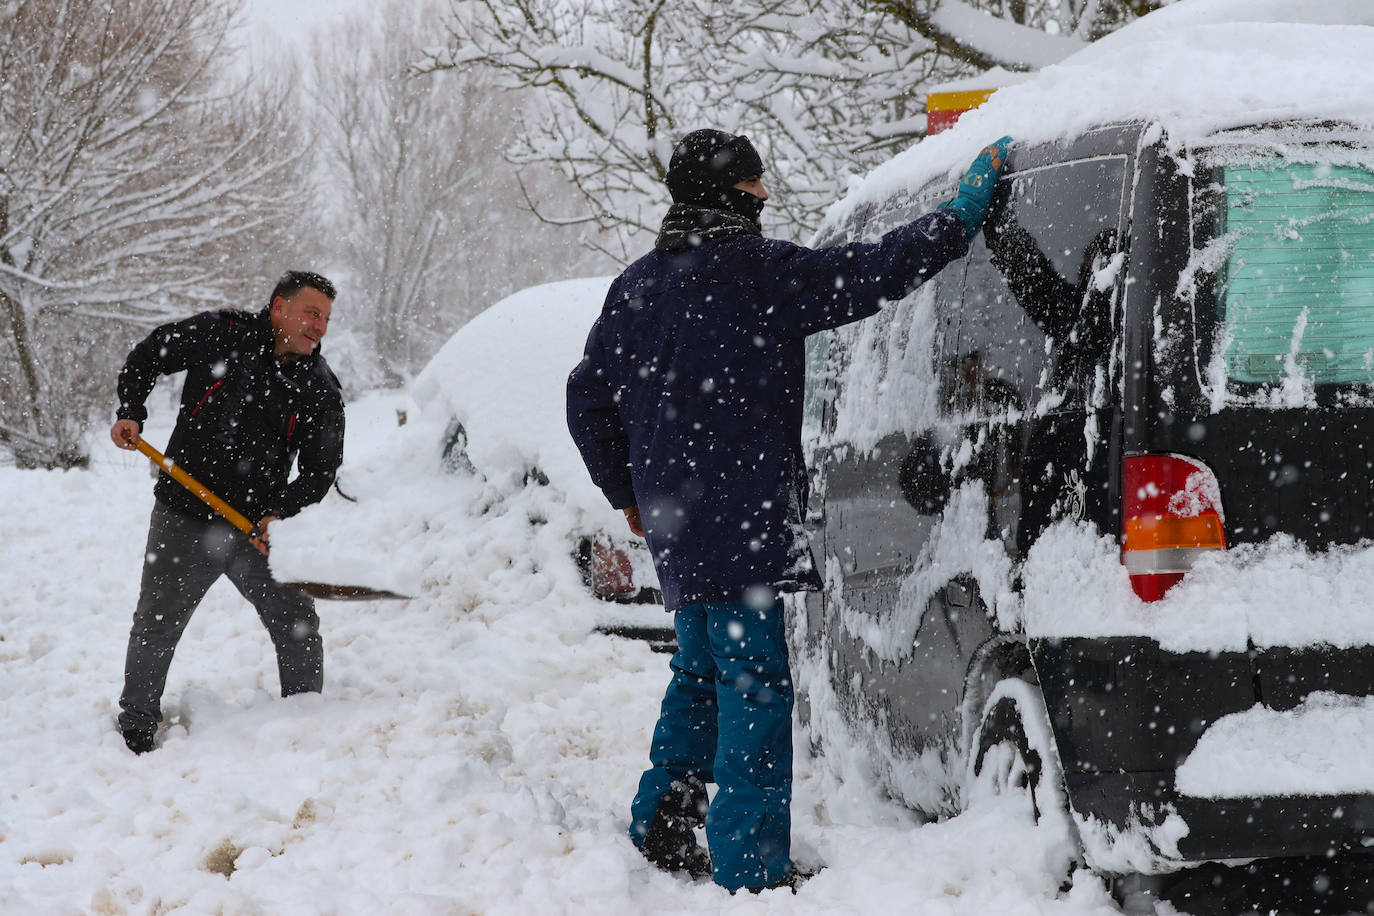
[[290, 20]]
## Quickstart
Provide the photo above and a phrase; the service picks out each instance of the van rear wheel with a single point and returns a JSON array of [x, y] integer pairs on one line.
[[1005, 762], [1013, 754]]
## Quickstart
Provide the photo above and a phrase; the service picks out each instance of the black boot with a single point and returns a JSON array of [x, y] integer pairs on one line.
[[139, 740], [794, 879], [670, 843]]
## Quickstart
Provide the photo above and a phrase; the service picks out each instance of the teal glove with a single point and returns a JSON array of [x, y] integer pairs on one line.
[[976, 187]]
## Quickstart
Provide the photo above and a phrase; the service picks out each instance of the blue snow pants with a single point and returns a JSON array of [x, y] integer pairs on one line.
[[727, 718]]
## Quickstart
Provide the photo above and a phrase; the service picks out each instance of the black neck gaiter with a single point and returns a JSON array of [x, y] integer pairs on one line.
[[719, 213]]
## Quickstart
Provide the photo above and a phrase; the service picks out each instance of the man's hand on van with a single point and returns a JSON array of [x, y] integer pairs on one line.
[[976, 187]]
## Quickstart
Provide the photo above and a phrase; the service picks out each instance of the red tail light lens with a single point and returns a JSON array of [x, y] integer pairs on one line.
[[612, 573], [1171, 514]]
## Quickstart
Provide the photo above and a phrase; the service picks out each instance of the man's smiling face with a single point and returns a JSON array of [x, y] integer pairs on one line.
[[300, 322]]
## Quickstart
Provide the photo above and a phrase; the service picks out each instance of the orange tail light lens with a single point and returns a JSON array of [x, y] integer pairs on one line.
[[1171, 514]]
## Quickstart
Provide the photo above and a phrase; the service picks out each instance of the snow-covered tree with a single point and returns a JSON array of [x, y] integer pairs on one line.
[[431, 221], [824, 88], [135, 180]]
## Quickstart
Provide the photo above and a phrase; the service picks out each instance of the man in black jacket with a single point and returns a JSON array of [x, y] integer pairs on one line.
[[257, 396]]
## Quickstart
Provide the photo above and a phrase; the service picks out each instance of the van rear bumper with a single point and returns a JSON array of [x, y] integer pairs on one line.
[[1230, 828], [1127, 713]]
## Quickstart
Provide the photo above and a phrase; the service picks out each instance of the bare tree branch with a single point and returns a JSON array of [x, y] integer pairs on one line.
[[427, 204], [825, 88], [134, 183]]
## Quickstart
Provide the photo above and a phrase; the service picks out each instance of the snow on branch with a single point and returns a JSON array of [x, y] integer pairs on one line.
[[982, 39]]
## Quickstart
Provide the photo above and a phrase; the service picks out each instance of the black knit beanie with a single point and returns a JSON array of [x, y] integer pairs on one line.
[[705, 166]]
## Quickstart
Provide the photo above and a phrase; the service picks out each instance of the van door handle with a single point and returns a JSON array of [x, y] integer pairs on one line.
[[958, 594]]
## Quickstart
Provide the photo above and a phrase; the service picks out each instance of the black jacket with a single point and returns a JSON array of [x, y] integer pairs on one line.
[[245, 414]]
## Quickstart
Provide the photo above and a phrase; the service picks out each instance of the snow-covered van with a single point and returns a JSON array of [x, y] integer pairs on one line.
[[1095, 505]]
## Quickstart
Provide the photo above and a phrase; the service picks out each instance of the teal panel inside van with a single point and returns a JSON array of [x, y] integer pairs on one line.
[[1299, 293]]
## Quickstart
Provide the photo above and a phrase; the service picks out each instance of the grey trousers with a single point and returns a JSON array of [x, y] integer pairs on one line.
[[183, 559]]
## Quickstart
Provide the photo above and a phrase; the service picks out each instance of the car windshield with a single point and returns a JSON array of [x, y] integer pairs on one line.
[[1296, 298]]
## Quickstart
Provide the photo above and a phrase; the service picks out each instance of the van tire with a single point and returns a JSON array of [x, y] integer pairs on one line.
[[1013, 754], [999, 658], [1003, 761]]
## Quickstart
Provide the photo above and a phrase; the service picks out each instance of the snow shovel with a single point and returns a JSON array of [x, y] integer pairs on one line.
[[237, 519]]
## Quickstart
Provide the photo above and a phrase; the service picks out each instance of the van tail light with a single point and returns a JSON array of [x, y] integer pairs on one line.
[[1171, 515], [612, 573]]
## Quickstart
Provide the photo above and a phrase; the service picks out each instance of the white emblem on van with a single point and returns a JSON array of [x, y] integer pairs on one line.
[[1071, 502]]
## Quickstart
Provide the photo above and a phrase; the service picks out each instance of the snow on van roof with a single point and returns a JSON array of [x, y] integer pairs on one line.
[[996, 78], [1193, 68]]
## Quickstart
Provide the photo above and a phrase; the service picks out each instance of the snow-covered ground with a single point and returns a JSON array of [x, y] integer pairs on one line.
[[474, 751], [475, 748]]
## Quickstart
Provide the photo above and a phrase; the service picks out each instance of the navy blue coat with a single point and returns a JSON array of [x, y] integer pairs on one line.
[[688, 398]]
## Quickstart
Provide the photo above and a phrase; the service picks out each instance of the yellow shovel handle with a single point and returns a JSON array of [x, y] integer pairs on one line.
[[169, 467]]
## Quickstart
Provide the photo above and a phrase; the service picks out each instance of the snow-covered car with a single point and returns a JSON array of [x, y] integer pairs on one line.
[[500, 379], [1094, 501]]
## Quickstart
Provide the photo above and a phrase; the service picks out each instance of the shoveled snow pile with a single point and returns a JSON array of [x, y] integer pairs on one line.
[[481, 431]]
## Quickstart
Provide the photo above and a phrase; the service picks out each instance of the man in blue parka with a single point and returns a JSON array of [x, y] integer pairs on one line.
[[687, 409]]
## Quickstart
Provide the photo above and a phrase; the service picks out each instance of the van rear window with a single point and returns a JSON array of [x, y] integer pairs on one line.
[[1297, 298]]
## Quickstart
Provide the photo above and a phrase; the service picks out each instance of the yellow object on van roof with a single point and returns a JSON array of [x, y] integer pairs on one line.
[[947, 101], [944, 108]]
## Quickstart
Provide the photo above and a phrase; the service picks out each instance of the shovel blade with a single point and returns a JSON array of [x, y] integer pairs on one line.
[[328, 592]]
